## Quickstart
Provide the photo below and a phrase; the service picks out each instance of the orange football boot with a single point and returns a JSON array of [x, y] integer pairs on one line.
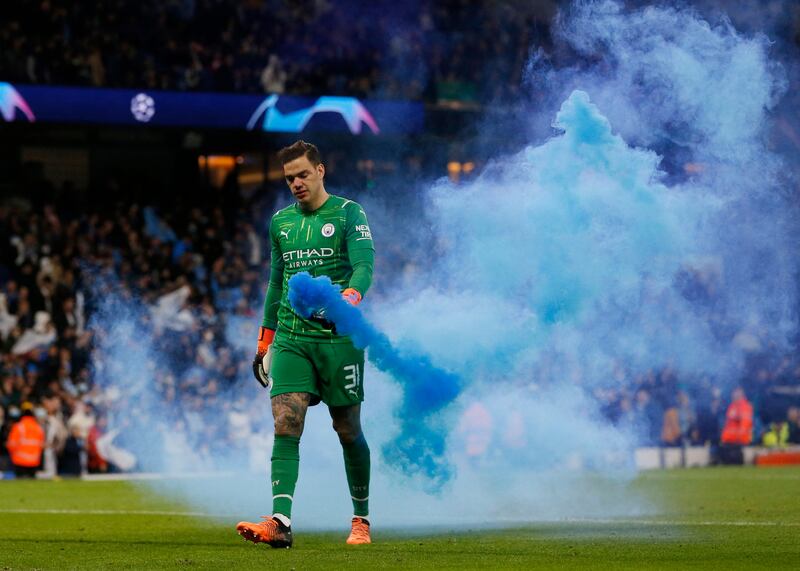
[[359, 533], [270, 531]]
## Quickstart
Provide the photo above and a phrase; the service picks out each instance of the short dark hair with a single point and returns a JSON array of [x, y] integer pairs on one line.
[[300, 149]]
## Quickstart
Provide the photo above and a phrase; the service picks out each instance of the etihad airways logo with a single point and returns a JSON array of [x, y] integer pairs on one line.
[[351, 109], [11, 102], [306, 258]]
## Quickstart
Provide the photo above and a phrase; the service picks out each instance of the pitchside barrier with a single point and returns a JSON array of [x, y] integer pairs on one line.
[[647, 458], [656, 457]]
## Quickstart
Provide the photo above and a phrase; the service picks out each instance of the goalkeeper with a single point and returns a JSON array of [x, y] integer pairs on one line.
[[304, 361]]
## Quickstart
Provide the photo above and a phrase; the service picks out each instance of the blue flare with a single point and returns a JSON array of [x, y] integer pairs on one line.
[[420, 446]]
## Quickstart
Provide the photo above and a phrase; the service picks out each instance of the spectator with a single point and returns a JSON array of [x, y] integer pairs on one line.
[[7, 320], [273, 77], [67, 319], [687, 418], [55, 435], [96, 463], [82, 420], [671, 429], [5, 465], [738, 429], [70, 462], [25, 443], [679, 422], [39, 337], [475, 427], [647, 419], [710, 416], [793, 422], [777, 435]]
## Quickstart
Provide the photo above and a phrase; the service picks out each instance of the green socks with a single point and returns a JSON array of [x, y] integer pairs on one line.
[[356, 464], [285, 466]]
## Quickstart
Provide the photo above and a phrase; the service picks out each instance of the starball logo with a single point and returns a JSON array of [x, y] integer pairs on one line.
[[11, 102], [351, 110]]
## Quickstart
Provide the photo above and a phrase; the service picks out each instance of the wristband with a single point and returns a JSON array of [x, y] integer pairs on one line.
[[351, 296], [265, 337]]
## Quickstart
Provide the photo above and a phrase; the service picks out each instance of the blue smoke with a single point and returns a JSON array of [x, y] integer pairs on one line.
[[635, 240], [420, 446], [701, 93], [169, 414], [589, 220]]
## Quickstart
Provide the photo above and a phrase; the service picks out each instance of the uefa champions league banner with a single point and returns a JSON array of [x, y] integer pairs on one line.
[[273, 113]]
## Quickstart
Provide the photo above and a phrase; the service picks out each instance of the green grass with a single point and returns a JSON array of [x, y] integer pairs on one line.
[[728, 518]]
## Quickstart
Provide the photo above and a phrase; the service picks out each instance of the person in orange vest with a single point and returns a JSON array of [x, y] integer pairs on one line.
[[25, 443], [738, 429]]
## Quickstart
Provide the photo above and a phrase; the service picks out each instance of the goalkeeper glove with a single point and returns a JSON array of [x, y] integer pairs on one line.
[[263, 358], [319, 317], [351, 296]]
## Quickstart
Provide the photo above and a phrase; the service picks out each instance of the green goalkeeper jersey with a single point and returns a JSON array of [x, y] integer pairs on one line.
[[334, 241]]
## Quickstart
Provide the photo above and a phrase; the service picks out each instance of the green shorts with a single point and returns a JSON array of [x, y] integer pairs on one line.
[[331, 372]]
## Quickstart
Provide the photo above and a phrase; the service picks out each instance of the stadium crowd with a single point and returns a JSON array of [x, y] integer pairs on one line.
[[195, 276], [88, 294], [421, 50], [439, 51], [189, 279]]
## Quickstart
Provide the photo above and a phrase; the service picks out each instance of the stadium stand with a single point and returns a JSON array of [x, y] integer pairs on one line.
[[199, 271], [198, 268], [419, 50]]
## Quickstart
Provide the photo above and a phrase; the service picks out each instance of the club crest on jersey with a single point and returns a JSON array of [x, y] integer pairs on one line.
[[328, 230]]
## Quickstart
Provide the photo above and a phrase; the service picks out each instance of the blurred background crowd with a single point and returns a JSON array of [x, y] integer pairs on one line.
[[420, 50], [437, 51], [195, 277], [195, 274], [195, 263]]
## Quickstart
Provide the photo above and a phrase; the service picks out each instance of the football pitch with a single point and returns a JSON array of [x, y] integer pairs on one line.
[[716, 518]]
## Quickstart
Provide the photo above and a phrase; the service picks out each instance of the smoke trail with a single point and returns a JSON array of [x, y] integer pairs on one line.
[[420, 445]]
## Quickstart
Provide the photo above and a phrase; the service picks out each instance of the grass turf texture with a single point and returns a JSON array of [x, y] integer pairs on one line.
[[727, 518]]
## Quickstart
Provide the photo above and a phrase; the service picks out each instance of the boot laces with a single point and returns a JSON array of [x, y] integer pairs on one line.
[[360, 529], [269, 525]]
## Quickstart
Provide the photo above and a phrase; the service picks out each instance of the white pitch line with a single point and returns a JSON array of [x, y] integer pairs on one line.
[[111, 512], [125, 477], [666, 522], [587, 521], [666, 475]]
